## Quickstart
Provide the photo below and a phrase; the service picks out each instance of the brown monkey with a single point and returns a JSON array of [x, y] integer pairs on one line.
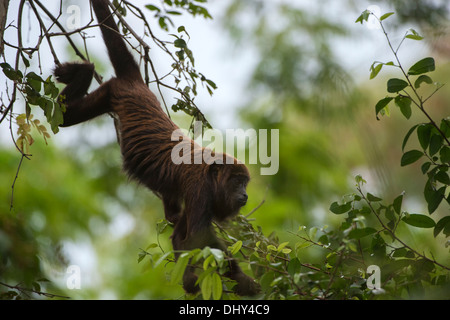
[[193, 194]]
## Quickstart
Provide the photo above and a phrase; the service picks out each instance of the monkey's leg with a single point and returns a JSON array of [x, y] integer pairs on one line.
[[201, 238], [246, 286], [178, 237]]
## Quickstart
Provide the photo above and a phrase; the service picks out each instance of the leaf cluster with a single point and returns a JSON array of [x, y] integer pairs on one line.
[[164, 12], [369, 233], [433, 136], [31, 86]]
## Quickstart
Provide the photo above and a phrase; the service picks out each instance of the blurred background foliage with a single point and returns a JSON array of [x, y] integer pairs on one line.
[[74, 205]]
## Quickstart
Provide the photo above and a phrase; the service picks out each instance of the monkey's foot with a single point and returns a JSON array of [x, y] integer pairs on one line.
[[189, 285], [67, 72], [246, 286]]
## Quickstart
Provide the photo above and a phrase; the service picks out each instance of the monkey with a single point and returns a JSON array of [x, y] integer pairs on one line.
[[193, 195]]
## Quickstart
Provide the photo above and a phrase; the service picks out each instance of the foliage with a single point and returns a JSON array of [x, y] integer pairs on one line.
[[308, 263], [27, 249], [368, 237], [433, 136], [30, 86], [43, 93]]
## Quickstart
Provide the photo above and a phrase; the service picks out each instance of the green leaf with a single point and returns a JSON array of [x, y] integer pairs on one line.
[[180, 43], [294, 266], [435, 144], [410, 157], [312, 234], [25, 60], [11, 73], [217, 288], [442, 225], [359, 180], [395, 85], [141, 256], [152, 8], [34, 76], [161, 259], [266, 280], [162, 23], [372, 198], [375, 70], [405, 140], [401, 252], [389, 213], [281, 246], [352, 246], [424, 135], [35, 84], [414, 35], [180, 266], [211, 83], [404, 103], [433, 197], [161, 226], [422, 66], [27, 110], [382, 104], [421, 79], [209, 261], [378, 246], [397, 204], [361, 233], [206, 287], [235, 247], [218, 255], [340, 209], [386, 15], [445, 127], [419, 221], [442, 177], [57, 118], [445, 154], [425, 167], [363, 17], [36, 286]]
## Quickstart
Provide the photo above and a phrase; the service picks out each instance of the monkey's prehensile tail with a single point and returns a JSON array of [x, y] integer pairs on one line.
[[123, 62]]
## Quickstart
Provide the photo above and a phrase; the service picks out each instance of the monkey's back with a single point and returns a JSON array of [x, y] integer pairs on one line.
[[146, 133]]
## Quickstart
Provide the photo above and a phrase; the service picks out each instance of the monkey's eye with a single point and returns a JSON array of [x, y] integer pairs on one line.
[[238, 182]]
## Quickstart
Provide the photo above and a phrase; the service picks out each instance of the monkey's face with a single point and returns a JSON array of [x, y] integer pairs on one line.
[[238, 194], [230, 193]]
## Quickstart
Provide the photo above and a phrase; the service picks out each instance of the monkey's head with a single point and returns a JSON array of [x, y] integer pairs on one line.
[[229, 191]]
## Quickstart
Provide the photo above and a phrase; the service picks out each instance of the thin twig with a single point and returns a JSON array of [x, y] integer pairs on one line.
[[259, 205], [405, 74], [11, 205], [26, 290]]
